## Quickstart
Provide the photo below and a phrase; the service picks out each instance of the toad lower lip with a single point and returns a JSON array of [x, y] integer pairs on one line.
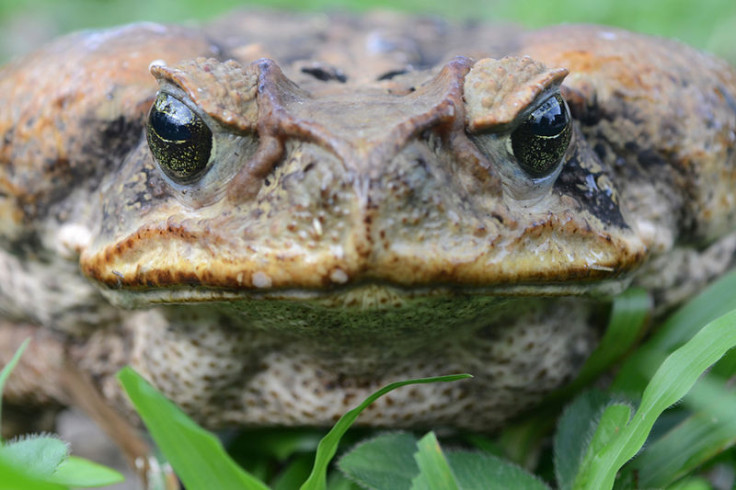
[[364, 296]]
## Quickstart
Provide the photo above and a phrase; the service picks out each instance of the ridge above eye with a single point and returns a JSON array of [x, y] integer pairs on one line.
[[540, 142], [179, 139]]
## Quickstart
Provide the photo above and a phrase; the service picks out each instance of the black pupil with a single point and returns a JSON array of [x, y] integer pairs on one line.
[[172, 119], [540, 142], [179, 139], [549, 119]]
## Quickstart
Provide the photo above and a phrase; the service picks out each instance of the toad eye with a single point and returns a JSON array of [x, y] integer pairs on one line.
[[540, 142], [179, 139]]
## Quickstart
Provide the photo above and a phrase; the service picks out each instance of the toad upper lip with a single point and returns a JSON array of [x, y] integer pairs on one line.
[[156, 258], [139, 264]]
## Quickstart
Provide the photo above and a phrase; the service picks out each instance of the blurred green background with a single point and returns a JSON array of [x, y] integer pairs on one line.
[[708, 24]]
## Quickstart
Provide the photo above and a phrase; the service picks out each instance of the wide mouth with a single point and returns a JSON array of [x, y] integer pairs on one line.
[[154, 268], [368, 296]]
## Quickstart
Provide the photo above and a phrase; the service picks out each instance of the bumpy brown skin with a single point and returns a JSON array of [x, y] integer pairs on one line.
[[361, 219]]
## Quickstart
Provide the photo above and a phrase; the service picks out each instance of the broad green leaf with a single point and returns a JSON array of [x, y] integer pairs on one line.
[[385, 462], [479, 471], [575, 430], [14, 477], [328, 445], [713, 302], [338, 481], [37, 455], [5, 372], [674, 378], [434, 470], [80, 472], [388, 463], [196, 455]]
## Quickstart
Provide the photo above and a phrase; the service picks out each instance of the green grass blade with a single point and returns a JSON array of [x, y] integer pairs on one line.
[[274, 442], [628, 323], [680, 451], [691, 484], [294, 473], [328, 445], [520, 442], [614, 417], [711, 397], [196, 455], [434, 470], [713, 302], [694, 441], [82, 473], [677, 374], [7, 369], [629, 316]]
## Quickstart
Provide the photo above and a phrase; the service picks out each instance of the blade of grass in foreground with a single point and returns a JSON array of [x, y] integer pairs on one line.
[[196, 455], [697, 439], [714, 301], [631, 309], [434, 470], [674, 378], [328, 445], [7, 369], [689, 445]]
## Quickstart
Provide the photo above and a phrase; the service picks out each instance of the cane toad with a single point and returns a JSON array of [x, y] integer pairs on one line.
[[273, 216]]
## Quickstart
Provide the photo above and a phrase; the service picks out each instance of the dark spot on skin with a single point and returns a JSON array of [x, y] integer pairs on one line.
[[27, 244], [587, 111], [391, 74], [600, 151], [729, 99], [325, 74], [8, 136], [650, 157], [574, 181]]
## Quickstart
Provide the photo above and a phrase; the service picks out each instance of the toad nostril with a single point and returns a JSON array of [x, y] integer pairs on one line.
[[391, 74], [325, 73], [421, 163]]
